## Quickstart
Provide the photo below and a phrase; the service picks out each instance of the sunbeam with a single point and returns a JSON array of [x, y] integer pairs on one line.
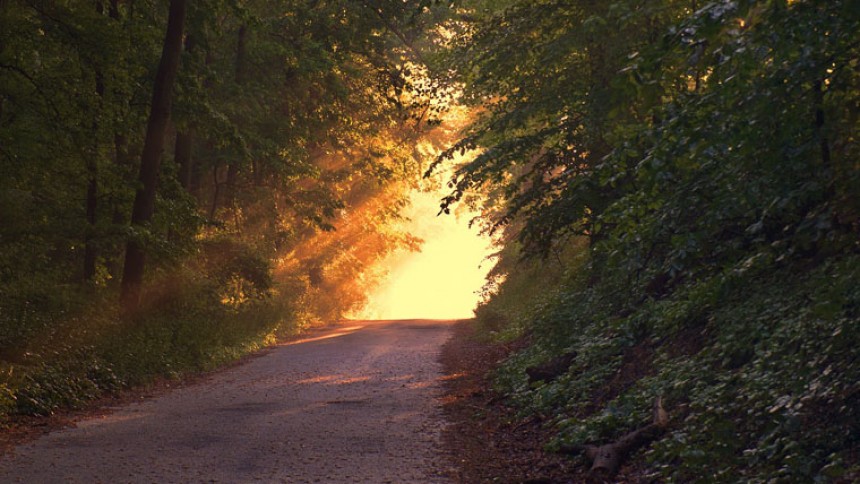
[[441, 281]]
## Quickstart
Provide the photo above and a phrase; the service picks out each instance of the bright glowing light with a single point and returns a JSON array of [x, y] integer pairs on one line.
[[441, 281]]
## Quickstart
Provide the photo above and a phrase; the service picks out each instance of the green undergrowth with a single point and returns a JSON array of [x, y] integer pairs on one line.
[[65, 346], [757, 366], [517, 288]]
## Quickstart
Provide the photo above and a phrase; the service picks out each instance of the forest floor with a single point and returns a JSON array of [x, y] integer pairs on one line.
[[485, 438]]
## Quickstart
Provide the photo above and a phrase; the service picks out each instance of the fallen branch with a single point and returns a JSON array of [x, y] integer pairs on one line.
[[607, 459]]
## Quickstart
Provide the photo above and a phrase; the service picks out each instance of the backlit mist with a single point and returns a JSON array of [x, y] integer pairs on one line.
[[443, 280]]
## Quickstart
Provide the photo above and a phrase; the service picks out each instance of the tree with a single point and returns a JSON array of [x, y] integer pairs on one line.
[[550, 114], [313, 107], [144, 201]]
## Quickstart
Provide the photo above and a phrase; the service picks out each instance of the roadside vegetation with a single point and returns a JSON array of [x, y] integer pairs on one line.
[[184, 182], [675, 188]]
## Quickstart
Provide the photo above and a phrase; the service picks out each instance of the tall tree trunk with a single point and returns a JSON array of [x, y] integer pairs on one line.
[[92, 200], [196, 179], [257, 172], [184, 139], [123, 162], [150, 160], [241, 74], [124, 165]]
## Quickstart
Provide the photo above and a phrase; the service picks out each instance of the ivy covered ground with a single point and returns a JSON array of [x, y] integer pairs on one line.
[[757, 368]]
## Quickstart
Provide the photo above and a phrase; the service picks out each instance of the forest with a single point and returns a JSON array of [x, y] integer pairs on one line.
[[673, 187]]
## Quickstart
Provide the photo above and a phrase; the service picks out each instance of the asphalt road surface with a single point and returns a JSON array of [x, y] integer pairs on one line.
[[353, 404]]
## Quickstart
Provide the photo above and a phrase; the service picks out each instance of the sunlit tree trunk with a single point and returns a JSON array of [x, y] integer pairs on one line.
[[150, 161]]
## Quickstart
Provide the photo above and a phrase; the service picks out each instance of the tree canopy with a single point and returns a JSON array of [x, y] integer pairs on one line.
[[673, 185], [233, 169]]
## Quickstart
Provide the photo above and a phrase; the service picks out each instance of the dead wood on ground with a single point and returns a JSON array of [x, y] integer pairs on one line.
[[607, 459]]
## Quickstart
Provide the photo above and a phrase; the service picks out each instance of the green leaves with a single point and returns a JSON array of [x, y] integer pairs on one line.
[[297, 127], [709, 155]]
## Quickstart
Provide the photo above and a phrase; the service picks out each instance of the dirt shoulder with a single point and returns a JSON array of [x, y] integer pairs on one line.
[[486, 441]]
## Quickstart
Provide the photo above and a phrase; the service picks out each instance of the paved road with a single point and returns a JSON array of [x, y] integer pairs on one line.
[[355, 404]]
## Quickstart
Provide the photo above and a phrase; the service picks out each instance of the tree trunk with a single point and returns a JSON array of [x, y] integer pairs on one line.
[[208, 145], [184, 140], [92, 199], [241, 74], [123, 163], [150, 161]]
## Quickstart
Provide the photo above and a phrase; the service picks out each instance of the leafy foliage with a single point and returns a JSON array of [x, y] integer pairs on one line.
[[290, 153], [709, 158]]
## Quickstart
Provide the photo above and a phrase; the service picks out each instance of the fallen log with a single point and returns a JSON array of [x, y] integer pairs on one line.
[[607, 459]]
